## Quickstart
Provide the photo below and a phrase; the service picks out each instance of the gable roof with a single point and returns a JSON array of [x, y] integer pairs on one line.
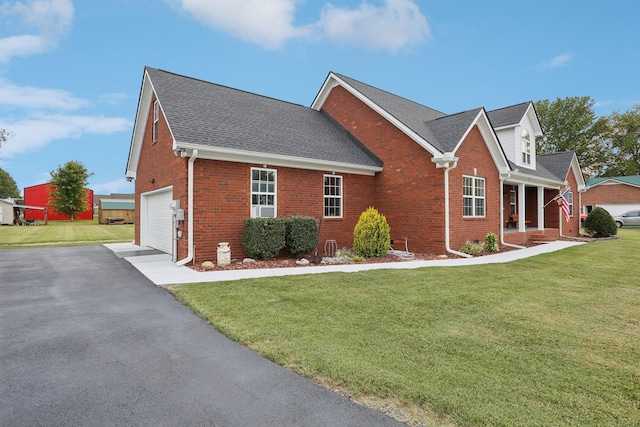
[[633, 180], [560, 165], [508, 116], [434, 130], [220, 121]]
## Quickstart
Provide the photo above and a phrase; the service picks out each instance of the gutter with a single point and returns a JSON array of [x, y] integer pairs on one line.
[[190, 248], [449, 162]]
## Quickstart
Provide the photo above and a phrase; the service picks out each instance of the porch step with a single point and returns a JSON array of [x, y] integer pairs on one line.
[[541, 238]]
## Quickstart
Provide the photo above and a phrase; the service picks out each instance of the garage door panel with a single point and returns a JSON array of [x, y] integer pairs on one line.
[[158, 221]]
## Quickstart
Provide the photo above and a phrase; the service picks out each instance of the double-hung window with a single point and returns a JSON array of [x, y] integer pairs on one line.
[[473, 196], [526, 147], [156, 119], [332, 196], [570, 200], [263, 193]]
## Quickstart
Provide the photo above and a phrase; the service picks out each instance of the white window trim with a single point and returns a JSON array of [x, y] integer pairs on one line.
[[474, 197], [525, 138], [275, 192], [156, 119], [570, 200], [340, 197]]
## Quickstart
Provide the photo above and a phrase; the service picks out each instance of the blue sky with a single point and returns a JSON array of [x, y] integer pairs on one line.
[[70, 71]]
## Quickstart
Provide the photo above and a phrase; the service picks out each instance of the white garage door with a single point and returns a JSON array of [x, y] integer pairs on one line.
[[620, 208], [157, 220]]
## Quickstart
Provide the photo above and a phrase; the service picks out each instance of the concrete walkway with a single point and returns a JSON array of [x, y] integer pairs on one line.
[[157, 266]]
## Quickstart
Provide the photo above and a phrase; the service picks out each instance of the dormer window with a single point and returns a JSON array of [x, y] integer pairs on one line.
[[526, 147]]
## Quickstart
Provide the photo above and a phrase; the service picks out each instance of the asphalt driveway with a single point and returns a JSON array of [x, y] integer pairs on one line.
[[86, 339]]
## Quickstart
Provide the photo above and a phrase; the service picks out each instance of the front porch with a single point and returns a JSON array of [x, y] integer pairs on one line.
[[530, 235], [528, 208]]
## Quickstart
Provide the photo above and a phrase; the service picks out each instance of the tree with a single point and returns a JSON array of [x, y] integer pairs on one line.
[[4, 136], [570, 124], [624, 138], [67, 190], [8, 186]]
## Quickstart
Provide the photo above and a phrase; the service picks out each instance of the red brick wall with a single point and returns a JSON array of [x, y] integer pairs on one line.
[[158, 163], [222, 198], [410, 189], [475, 160], [611, 194], [572, 228]]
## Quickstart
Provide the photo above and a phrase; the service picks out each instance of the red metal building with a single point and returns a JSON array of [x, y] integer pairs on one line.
[[38, 195]]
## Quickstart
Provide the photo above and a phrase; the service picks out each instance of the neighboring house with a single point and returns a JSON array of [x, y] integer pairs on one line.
[[37, 197], [617, 194], [205, 157]]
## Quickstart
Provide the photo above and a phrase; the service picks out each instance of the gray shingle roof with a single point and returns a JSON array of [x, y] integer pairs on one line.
[[508, 115], [555, 164], [216, 116], [419, 118]]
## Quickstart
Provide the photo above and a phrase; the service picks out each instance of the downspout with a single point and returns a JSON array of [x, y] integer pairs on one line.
[[192, 159], [502, 242], [449, 162]]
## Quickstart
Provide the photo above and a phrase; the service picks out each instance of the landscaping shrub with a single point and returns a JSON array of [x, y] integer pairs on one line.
[[491, 243], [262, 238], [600, 223], [471, 248], [372, 234], [302, 234]]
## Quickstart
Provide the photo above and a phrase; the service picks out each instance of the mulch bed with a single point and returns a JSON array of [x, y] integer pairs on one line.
[[284, 262]]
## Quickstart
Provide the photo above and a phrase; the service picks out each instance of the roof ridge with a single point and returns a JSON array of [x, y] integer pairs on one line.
[[510, 106], [458, 113], [227, 87]]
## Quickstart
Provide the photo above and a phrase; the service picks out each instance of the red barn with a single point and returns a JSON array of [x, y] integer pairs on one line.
[[38, 195]]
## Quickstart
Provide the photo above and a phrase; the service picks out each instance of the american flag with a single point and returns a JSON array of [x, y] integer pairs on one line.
[[563, 202]]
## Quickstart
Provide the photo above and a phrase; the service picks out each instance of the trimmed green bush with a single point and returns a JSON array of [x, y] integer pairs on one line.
[[302, 234], [372, 234], [491, 243], [600, 223], [471, 248], [262, 238]]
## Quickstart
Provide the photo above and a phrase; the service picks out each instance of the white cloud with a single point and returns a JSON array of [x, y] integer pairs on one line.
[[37, 98], [268, 23], [48, 20], [556, 62], [40, 130], [271, 23], [393, 26]]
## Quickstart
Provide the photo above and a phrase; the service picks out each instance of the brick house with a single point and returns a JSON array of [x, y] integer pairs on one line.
[[205, 157], [616, 194]]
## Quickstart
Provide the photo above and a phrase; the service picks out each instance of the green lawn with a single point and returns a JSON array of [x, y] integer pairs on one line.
[[552, 340], [64, 233]]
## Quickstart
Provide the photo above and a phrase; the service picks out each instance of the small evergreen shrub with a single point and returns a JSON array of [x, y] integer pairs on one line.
[[491, 242], [372, 234], [471, 248], [600, 223], [302, 234], [262, 238]]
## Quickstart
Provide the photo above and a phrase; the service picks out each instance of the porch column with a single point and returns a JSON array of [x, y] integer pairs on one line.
[[521, 208], [540, 208]]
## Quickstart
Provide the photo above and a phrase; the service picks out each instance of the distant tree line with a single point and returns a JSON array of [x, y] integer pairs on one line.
[[605, 146]]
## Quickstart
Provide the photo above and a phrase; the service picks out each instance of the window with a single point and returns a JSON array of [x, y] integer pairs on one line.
[[513, 202], [570, 200], [332, 196], [156, 119], [526, 147], [473, 196], [263, 193]]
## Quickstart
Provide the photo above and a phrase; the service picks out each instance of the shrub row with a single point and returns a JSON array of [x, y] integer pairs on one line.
[[263, 238]]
